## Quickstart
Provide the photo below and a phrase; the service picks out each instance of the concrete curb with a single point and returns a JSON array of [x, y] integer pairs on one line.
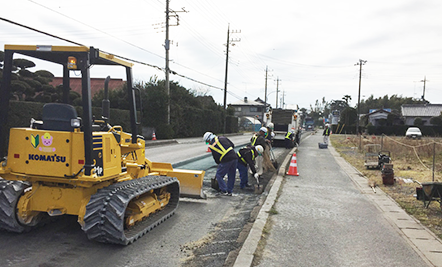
[[246, 254], [199, 157], [151, 143]]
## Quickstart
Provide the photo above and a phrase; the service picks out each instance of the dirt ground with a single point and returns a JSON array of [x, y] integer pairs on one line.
[[412, 164]]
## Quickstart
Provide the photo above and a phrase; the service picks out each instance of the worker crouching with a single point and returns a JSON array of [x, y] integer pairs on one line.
[[246, 157], [226, 158]]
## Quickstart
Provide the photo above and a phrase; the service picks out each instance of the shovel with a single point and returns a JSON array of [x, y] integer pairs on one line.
[[258, 188]]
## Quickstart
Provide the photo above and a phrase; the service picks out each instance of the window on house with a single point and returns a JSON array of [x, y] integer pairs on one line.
[[253, 109], [237, 109]]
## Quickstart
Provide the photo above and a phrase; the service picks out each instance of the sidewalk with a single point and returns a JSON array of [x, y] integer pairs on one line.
[[328, 216]]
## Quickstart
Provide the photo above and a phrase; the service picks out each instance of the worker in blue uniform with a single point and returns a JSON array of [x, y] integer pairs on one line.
[[226, 158], [246, 157]]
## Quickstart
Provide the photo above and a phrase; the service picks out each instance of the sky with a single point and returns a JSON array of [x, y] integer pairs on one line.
[[302, 51]]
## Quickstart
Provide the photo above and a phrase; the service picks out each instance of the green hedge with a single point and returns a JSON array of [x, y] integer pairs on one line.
[[193, 122], [20, 114]]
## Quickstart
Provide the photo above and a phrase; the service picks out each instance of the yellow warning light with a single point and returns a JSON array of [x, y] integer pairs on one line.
[[295, 116], [72, 63]]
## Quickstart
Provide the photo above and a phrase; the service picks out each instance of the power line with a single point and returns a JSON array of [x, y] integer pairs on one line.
[[122, 40], [38, 31], [119, 56]]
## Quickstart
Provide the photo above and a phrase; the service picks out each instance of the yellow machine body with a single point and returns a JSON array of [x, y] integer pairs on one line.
[[65, 164], [50, 160]]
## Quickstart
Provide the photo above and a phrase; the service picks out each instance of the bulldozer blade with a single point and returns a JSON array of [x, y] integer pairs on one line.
[[191, 182]]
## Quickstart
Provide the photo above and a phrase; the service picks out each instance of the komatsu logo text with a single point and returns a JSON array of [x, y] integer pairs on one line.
[[48, 158]]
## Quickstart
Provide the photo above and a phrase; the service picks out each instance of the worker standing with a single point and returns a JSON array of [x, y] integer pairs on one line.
[[259, 138], [269, 135], [226, 158], [263, 161], [246, 157], [326, 133]]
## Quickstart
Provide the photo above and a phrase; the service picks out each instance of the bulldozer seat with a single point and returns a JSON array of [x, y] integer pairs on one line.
[[57, 116]]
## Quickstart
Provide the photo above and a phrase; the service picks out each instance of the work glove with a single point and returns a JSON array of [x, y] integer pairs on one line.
[[256, 176]]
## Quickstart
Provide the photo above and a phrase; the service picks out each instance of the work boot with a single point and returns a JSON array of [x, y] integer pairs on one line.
[[246, 186], [221, 193]]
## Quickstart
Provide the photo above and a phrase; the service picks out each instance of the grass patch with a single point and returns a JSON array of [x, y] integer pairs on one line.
[[272, 211]]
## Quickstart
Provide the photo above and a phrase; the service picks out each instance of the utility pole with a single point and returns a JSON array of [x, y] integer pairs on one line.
[[265, 96], [265, 99], [167, 47], [425, 81], [360, 63], [227, 66], [277, 86]]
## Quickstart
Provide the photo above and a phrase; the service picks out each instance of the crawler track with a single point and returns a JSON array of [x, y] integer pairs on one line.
[[104, 218]]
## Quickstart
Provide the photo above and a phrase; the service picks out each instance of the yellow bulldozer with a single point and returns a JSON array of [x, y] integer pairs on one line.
[[66, 164]]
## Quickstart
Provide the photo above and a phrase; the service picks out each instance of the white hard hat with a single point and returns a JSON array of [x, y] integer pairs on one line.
[[270, 125], [259, 149], [263, 129], [208, 136]]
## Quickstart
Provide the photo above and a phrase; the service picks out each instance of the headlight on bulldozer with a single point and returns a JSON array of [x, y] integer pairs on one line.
[[75, 123]]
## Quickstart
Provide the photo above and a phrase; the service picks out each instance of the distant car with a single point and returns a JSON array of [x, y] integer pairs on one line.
[[414, 133]]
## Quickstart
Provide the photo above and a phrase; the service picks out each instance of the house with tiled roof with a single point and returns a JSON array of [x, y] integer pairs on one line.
[[249, 112], [249, 108], [425, 111]]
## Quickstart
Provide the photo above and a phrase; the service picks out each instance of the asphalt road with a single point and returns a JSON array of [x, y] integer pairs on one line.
[[201, 233]]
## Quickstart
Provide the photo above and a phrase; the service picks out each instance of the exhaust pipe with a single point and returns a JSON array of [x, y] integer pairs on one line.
[[105, 105]]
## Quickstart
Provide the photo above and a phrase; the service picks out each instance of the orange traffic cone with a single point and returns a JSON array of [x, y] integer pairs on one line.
[[293, 169], [154, 137], [208, 150]]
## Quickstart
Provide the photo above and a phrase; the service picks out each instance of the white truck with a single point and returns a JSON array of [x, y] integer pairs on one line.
[[283, 121]]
